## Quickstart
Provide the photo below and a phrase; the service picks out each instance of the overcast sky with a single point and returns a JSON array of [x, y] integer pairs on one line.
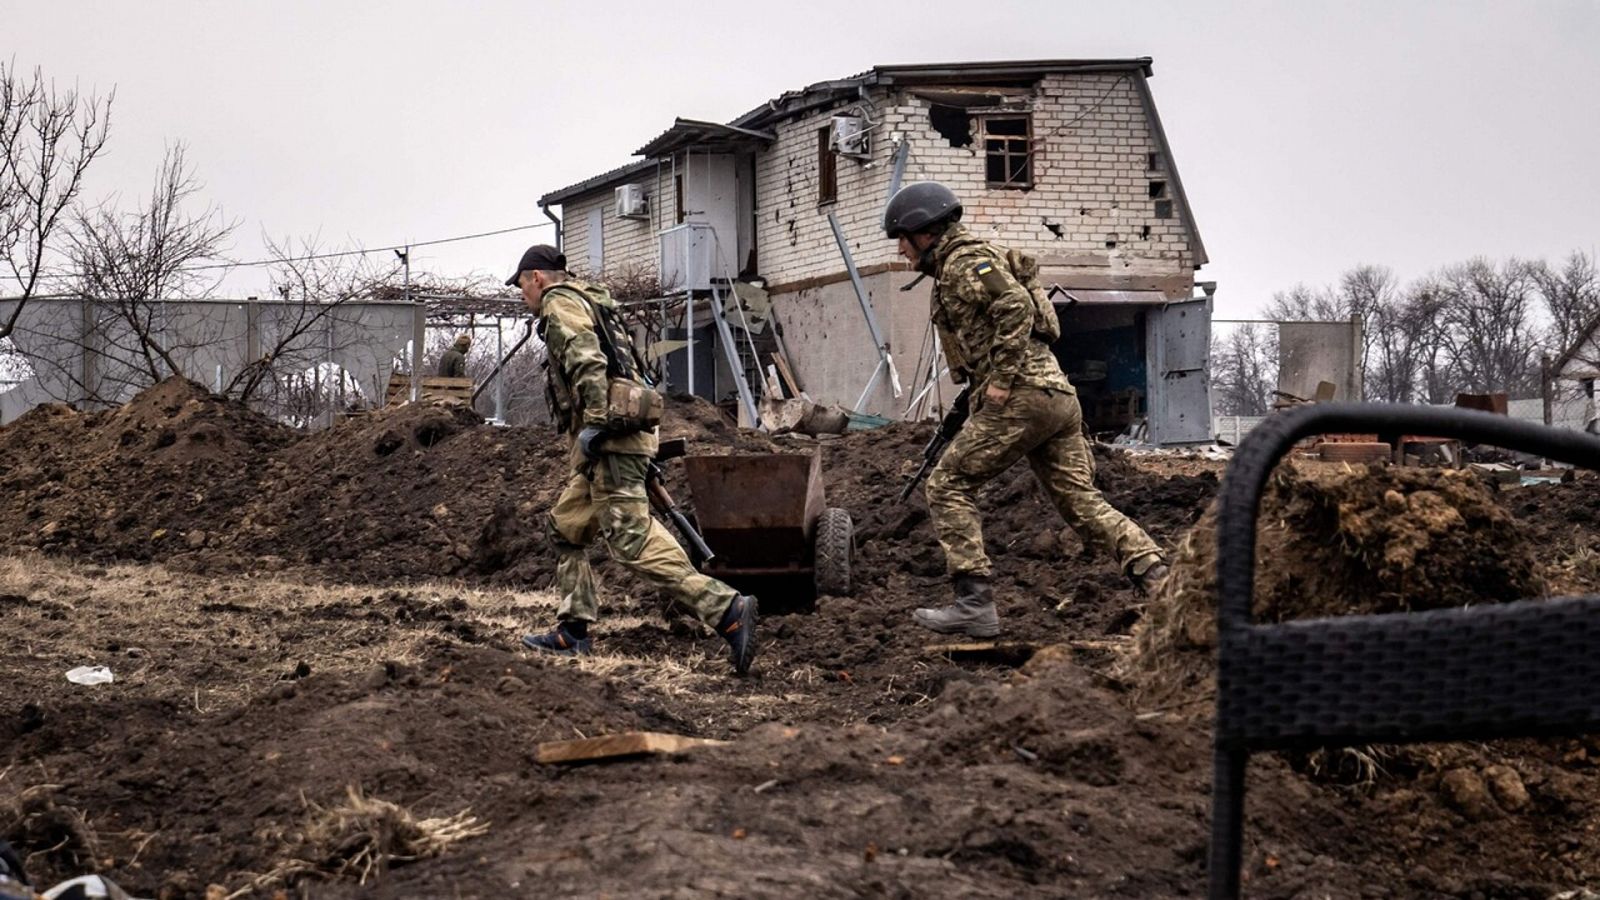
[[1311, 137]]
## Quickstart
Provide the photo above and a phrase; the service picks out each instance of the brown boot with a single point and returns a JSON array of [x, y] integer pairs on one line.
[[972, 614]]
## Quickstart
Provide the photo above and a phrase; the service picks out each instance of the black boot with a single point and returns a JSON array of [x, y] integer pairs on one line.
[[972, 614], [1149, 581], [738, 628]]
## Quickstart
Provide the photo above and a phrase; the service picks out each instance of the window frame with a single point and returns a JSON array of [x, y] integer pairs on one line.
[[827, 167], [1009, 152]]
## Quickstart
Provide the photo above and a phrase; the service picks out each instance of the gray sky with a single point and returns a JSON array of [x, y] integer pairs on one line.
[[1311, 137]]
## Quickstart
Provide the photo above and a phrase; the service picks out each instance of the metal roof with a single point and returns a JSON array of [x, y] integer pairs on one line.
[[713, 137], [1077, 295], [617, 175]]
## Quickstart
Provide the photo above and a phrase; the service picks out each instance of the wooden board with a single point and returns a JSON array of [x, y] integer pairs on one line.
[[787, 374], [1007, 653], [614, 746], [433, 387]]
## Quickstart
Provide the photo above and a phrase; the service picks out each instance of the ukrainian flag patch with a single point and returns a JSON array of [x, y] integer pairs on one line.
[[991, 278]]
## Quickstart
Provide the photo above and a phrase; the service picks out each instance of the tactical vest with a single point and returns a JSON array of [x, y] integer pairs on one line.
[[632, 404]]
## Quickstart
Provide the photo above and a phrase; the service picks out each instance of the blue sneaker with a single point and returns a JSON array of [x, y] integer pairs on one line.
[[558, 641], [738, 628]]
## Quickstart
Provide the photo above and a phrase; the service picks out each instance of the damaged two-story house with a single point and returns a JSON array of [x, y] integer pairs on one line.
[[782, 209]]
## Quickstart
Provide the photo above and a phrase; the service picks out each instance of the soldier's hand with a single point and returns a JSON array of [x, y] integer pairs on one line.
[[996, 396], [589, 440]]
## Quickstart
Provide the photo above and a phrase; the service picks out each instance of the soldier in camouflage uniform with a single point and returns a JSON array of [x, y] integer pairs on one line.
[[992, 329], [453, 364], [606, 494]]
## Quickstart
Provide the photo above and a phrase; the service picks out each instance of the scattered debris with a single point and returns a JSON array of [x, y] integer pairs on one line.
[[618, 746], [90, 675], [1005, 653]]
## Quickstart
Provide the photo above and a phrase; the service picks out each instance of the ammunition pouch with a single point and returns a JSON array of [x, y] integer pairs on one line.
[[631, 407]]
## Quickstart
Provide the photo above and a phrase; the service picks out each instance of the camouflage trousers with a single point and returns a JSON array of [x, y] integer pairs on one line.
[[611, 502], [1046, 427]]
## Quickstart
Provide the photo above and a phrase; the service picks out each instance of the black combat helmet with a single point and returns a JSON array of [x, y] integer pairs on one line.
[[917, 206]]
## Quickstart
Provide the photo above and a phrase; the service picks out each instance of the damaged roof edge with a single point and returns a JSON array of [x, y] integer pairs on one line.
[[796, 103], [1012, 68], [620, 173], [1200, 257]]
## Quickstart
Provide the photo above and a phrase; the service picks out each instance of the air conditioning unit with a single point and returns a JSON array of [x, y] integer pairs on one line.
[[851, 137], [632, 202]]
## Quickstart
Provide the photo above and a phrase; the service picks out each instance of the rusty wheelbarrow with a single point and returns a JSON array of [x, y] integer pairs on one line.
[[765, 517]]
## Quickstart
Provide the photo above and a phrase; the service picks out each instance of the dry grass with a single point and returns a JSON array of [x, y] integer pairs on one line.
[[150, 614], [359, 838], [1577, 572], [1168, 664], [135, 618]]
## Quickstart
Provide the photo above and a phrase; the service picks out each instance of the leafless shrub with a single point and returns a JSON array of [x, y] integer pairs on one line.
[[48, 140]]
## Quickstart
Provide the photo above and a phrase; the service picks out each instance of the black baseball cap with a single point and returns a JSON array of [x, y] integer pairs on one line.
[[542, 257]]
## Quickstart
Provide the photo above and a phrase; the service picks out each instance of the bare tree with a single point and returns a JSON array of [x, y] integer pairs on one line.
[[1407, 359], [129, 263], [315, 286], [1244, 371], [1367, 291], [1306, 304], [48, 140], [1571, 297], [1493, 341]]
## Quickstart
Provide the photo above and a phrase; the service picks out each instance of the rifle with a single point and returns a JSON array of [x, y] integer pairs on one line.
[[948, 429], [655, 486]]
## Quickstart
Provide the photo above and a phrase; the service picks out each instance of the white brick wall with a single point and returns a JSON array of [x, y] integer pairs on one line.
[[1092, 142], [628, 245]]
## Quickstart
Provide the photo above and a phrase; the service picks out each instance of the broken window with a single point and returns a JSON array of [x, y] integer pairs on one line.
[[827, 168], [1158, 190], [1163, 209], [1155, 162], [1007, 149]]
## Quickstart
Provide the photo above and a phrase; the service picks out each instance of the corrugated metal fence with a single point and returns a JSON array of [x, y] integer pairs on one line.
[[1574, 413]]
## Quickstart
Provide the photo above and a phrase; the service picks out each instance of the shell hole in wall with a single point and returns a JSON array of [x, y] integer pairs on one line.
[[952, 123]]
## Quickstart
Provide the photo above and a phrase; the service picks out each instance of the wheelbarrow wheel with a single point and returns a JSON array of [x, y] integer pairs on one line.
[[835, 548]]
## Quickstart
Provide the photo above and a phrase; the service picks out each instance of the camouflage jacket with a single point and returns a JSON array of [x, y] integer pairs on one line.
[[576, 364], [985, 318], [453, 364]]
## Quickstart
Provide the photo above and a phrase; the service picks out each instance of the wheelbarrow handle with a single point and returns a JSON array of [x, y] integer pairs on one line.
[[656, 488]]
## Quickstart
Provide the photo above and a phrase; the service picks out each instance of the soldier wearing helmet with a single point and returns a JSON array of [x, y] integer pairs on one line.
[[997, 335]]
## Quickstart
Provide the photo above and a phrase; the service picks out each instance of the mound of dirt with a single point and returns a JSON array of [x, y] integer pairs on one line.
[[1339, 542], [158, 476]]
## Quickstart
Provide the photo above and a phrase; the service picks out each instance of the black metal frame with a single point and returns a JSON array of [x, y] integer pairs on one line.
[[1520, 669]]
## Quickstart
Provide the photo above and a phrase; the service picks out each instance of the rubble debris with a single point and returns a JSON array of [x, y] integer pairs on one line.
[[617, 746]]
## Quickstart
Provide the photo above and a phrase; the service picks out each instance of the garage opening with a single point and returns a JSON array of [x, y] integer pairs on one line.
[[1102, 350]]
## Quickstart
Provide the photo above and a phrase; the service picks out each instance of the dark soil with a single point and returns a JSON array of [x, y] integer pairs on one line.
[[342, 610]]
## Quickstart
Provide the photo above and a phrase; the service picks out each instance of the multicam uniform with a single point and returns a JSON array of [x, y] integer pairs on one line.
[[606, 497], [986, 320]]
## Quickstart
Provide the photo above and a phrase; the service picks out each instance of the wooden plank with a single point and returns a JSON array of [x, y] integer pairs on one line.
[[1007, 653], [616, 746], [787, 374]]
